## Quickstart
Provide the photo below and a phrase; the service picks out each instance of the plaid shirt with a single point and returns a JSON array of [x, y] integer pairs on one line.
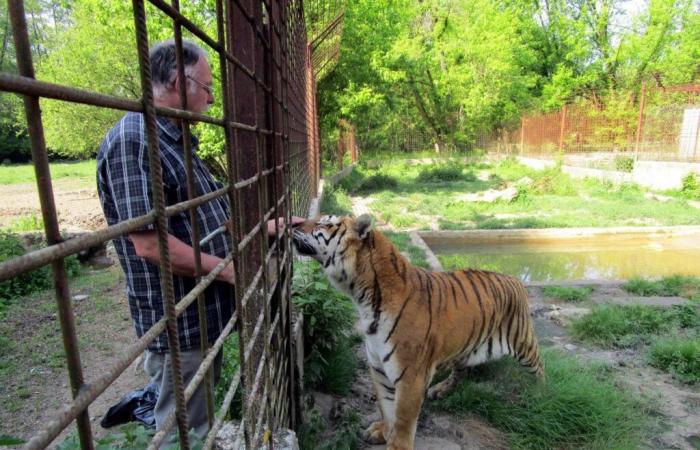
[[124, 184]]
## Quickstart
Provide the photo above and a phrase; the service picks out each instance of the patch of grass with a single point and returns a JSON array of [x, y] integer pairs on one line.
[[670, 286], [678, 356], [330, 363], [568, 294], [336, 201], [315, 434], [25, 223], [403, 242], [624, 163], [578, 406], [444, 172], [377, 182], [690, 186], [629, 326], [24, 173]]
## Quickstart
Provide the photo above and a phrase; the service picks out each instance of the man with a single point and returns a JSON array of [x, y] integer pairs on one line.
[[124, 186]]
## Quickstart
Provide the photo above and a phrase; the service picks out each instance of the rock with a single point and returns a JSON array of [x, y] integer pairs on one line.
[[490, 196], [230, 437], [80, 297], [426, 443], [570, 347], [524, 181]]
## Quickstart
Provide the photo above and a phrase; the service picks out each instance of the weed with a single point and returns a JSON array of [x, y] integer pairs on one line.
[[629, 326], [672, 286], [679, 356], [577, 407], [624, 163], [568, 294], [314, 434], [131, 436], [444, 172], [328, 318], [690, 186], [230, 364], [25, 223]]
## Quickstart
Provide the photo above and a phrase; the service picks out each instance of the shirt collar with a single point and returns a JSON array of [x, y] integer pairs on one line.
[[173, 131]]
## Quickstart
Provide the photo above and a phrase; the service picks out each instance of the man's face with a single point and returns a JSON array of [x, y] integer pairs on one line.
[[199, 87]]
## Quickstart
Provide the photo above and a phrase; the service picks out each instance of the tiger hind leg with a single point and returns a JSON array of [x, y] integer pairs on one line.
[[439, 390], [528, 354]]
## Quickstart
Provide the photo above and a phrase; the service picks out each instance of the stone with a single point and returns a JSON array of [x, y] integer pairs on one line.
[[570, 347], [80, 297], [230, 437]]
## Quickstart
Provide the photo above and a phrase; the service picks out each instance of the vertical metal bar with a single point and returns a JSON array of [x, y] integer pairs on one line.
[[561, 129], [640, 120], [194, 222], [166, 277], [522, 134], [48, 212]]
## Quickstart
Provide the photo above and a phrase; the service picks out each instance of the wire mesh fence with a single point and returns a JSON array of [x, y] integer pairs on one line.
[[271, 154], [656, 124]]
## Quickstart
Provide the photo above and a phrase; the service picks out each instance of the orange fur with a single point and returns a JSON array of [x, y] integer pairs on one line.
[[415, 321]]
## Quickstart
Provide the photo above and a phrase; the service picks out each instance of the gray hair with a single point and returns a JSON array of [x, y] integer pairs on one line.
[[164, 61]]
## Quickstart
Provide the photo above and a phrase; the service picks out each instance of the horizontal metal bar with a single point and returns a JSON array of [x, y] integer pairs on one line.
[[247, 182], [195, 381], [212, 235]]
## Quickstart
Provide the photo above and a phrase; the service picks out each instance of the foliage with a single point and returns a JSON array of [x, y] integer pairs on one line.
[[131, 436], [690, 187], [29, 282], [669, 286], [679, 356], [315, 434], [444, 172], [328, 318], [25, 223], [624, 163], [568, 294], [629, 326], [578, 406], [230, 364]]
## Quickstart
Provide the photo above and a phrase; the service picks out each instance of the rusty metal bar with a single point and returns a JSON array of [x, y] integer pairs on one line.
[[161, 220], [40, 159]]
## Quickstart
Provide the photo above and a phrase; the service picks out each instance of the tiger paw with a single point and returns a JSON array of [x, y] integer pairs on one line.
[[374, 434], [441, 389]]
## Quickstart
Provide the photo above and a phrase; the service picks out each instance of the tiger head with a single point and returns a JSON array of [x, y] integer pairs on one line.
[[335, 242]]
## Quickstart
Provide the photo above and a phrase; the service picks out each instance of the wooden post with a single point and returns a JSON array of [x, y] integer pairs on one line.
[[561, 129], [640, 120]]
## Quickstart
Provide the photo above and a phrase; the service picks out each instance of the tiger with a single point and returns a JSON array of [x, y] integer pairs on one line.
[[415, 321]]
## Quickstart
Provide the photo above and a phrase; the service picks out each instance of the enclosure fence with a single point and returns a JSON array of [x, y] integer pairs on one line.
[[656, 124], [271, 146]]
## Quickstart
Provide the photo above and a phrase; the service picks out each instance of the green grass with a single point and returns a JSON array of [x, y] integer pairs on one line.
[[403, 242], [568, 294], [615, 326], [24, 173], [318, 434], [579, 405], [678, 356], [551, 199], [25, 223], [674, 285], [336, 202]]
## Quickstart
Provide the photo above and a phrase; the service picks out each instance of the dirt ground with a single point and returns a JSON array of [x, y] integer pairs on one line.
[[78, 205], [34, 381], [676, 405]]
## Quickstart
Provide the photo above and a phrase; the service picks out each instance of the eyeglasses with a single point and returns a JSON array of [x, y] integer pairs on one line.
[[206, 88]]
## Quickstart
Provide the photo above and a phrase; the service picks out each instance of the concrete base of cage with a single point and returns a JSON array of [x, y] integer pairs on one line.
[[230, 437]]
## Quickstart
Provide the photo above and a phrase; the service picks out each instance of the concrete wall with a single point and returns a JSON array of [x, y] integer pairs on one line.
[[657, 175], [662, 175]]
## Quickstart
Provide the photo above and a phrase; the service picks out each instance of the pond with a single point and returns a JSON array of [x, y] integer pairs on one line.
[[588, 257]]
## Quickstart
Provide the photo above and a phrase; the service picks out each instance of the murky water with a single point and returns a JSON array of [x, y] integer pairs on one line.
[[584, 258]]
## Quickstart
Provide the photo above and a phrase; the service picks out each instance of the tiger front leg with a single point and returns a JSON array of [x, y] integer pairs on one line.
[[410, 392], [377, 431]]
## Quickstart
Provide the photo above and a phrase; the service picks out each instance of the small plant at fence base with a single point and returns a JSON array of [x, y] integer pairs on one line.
[[690, 187], [330, 362], [624, 163], [568, 294]]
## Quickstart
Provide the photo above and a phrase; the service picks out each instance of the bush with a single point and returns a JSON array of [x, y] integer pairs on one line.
[[690, 187], [577, 407], [624, 163], [568, 294], [377, 182], [444, 172], [26, 283], [678, 356], [628, 326], [669, 286], [330, 363]]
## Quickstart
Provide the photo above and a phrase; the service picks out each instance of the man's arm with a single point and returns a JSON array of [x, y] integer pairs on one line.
[[181, 256]]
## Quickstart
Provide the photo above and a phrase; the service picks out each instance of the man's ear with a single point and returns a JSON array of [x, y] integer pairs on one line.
[[363, 225]]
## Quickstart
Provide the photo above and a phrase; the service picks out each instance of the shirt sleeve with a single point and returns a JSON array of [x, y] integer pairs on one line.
[[129, 180]]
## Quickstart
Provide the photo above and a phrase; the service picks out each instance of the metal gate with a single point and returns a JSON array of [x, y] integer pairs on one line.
[[272, 158]]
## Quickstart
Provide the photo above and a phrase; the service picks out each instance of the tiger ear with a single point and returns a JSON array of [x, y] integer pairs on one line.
[[363, 225]]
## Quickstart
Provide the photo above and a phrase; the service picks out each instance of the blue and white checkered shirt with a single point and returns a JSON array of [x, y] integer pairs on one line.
[[124, 184]]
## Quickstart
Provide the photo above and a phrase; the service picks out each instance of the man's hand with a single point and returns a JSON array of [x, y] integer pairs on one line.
[[271, 224]]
